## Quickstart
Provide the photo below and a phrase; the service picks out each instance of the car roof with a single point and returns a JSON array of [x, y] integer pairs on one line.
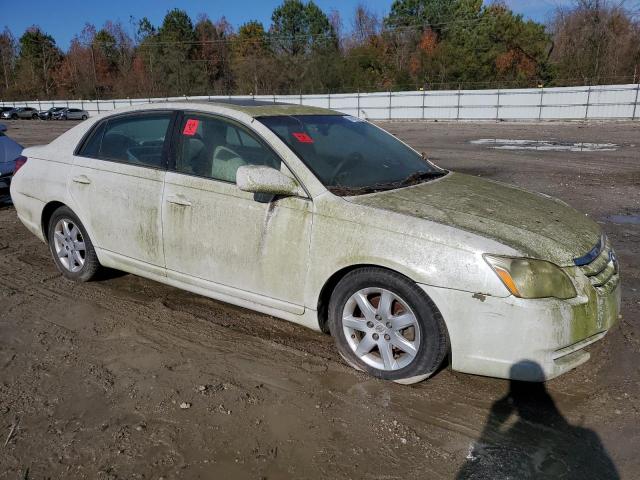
[[260, 108]]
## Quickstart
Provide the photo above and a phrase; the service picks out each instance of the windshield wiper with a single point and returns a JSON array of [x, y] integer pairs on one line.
[[349, 191], [417, 177], [412, 179]]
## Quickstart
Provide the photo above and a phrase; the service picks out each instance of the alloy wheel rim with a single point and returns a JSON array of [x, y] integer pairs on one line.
[[69, 245], [381, 329]]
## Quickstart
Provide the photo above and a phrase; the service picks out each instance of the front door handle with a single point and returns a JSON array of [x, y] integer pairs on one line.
[[82, 179], [178, 200]]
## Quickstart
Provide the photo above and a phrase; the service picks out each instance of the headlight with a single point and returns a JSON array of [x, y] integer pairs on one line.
[[529, 278]]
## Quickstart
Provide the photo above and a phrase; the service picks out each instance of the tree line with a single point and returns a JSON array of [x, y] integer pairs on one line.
[[419, 44]]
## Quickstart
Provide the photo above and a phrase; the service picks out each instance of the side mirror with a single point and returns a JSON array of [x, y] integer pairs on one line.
[[3, 128], [259, 179]]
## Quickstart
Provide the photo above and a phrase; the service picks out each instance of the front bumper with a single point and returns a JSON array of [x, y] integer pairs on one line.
[[531, 340]]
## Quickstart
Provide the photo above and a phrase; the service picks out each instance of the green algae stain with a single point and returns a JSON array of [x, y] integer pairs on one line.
[[531, 223]]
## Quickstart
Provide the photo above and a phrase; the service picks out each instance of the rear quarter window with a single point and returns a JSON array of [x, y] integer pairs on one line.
[[91, 146]]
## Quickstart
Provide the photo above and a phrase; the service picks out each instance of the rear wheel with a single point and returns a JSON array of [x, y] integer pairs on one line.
[[84, 117], [71, 246], [385, 325], [14, 116], [34, 116]]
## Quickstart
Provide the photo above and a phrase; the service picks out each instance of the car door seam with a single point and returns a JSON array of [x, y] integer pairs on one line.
[[162, 212]]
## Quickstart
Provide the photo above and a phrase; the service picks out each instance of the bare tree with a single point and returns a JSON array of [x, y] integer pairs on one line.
[[8, 53], [365, 25], [596, 41]]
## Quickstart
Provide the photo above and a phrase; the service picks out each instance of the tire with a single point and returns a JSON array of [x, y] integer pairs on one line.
[[65, 234], [84, 117], [14, 116], [34, 116], [408, 327]]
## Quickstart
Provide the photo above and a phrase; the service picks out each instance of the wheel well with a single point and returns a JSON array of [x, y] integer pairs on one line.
[[330, 285], [332, 282], [47, 212]]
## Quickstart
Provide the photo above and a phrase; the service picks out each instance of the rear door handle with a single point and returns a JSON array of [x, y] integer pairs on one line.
[[82, 179], [178, 200]]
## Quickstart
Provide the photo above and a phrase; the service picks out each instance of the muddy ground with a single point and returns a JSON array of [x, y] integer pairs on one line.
[[94, 375]]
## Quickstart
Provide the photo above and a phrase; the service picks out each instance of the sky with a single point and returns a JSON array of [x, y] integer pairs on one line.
[[65, 18]]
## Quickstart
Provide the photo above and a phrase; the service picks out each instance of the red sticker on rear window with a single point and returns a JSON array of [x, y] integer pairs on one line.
[[191, 127], [302, 137]]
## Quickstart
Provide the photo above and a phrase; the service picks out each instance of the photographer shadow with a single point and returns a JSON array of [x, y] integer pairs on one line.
[[526, 437]]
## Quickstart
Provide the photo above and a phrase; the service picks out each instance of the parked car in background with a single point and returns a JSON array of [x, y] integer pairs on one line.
[[21, 112], [5, 109], [10, 151], [71, 114], [328, 221], [48, 114]]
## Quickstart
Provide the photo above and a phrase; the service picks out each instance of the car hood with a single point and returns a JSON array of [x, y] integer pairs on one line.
[[536, 225]]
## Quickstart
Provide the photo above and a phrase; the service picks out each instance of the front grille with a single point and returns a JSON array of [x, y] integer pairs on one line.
[[602, 271]]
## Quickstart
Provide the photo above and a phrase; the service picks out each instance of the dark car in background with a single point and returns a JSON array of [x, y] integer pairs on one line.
[[49, 114], [20, 112], [71, 114], [10, 151]]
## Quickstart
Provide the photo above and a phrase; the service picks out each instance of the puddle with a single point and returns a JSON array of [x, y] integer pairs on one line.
[[624, 219], [545, 145]]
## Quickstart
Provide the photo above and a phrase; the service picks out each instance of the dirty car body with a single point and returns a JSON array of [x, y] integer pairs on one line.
[[327, 221]]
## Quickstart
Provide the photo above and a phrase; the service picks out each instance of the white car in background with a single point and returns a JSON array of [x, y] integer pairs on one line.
[[328, 221], [70, 114]]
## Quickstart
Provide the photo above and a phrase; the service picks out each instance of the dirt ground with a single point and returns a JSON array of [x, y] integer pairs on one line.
[[94, 375]]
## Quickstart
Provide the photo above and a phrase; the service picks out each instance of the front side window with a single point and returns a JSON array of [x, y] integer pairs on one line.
[[215, 148], [351, 156], [135, 139]]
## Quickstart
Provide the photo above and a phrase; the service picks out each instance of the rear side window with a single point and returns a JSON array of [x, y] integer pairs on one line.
[[137, 140]]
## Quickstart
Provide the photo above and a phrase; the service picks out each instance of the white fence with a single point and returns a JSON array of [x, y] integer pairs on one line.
[[618, 102]]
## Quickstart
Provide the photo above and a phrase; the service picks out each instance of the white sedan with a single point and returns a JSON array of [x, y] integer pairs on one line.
[[326, 220]]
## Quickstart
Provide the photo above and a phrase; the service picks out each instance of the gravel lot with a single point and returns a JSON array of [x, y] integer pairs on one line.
[[94, 375]]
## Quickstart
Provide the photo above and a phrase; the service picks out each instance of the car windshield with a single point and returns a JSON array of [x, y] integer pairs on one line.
[[350, 156]]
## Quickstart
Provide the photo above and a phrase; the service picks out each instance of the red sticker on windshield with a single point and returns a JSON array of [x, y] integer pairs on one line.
[[302, 137], [191, 127]]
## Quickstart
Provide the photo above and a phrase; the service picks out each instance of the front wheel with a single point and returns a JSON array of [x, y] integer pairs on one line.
[[71, 246], [385, 325], [84, 117]]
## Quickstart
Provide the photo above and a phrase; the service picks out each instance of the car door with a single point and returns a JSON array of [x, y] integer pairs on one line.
[[222, 238], [116, 184]]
